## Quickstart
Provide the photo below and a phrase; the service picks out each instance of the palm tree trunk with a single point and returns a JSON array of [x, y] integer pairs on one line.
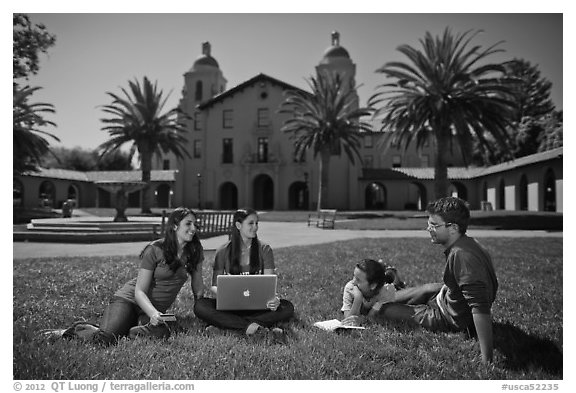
[[323, 183], [146, 163], [320, 185], [440, 168]]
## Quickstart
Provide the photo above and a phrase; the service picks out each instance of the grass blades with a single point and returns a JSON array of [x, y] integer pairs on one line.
[[54, 292]]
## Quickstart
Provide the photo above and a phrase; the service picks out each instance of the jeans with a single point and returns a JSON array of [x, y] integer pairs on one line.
[[119, 317], [418, 306], [205, 309]]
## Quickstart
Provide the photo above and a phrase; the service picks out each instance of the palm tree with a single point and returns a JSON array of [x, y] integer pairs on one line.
[[29, 144], [138, 119], [447, 91], [327, 120]]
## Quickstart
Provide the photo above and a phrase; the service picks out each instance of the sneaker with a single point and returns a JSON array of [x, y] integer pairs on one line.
[[52, 333], [278, 336], [211, 330], [260, 334], [149, 330], [80, 330], [255, 329]]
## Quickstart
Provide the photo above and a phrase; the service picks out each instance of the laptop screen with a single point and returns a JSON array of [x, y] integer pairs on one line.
[[245, 292]]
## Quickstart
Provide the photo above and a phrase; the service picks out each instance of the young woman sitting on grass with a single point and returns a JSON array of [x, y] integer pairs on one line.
[[244, 253], [137, 308]]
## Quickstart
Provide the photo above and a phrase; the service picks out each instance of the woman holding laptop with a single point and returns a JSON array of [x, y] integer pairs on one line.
[[244, 254]]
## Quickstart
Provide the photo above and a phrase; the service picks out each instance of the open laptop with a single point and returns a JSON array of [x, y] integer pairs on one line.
[[245, 292]]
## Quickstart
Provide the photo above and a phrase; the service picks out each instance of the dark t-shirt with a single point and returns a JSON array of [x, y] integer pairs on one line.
[[222, 262], [165, 283], [470, 282]]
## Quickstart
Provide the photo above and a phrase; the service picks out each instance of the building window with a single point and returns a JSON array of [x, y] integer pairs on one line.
[[227, 151], [227, 118], [368, 161], [166, 164], [368, 142], [197, 148], [198, 93], [425, 160], [396, 161], [197, 122], [262, 149], [263, 118]]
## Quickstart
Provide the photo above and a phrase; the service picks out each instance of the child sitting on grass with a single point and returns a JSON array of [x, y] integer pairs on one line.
[[373, 285]]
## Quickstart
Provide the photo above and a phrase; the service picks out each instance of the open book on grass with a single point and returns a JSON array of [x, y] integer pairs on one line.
[[334, 324]]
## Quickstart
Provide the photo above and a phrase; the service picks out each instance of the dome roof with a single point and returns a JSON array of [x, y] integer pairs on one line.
[[206, 60], [336, 51]]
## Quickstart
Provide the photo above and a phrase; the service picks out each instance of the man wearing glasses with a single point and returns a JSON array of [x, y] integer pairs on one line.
[[464, 300]]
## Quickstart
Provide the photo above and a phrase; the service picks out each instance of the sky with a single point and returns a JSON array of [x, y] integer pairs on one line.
[[99, 53]]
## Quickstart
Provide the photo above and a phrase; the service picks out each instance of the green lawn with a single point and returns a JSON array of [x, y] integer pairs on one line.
[[54, 292]]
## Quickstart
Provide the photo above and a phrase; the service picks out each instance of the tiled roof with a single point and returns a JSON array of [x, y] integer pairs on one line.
[[63, 174], [454, 173], [130, 176], [523, 161], [458, 173], [104, 176], [243, 85]]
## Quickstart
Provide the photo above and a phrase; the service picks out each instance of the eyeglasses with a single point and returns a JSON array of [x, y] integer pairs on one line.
[[433, 227]]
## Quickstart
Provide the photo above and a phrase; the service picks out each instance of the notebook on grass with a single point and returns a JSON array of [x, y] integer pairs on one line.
[[245, 292]]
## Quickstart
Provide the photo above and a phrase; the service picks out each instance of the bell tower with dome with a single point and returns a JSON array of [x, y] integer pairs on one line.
[[203, 81], [336, 59]]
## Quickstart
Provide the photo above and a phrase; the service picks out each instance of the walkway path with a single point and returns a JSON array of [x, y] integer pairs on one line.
[[277, 234]]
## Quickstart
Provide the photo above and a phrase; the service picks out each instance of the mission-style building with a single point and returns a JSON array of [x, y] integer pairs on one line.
[[240, 157]]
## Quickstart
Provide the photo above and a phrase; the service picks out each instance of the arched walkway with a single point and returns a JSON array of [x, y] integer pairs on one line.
[[263, 192], [297, 196], [375, 196], [47, 194], [162, 195], [550, 191], [133, 198], [417, 198], [501, 195], [228, 196], [523, 193], [458, 190], [17, 193], [73, 195]]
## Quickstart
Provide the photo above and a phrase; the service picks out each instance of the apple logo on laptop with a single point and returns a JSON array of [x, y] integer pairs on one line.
[[246, 293]]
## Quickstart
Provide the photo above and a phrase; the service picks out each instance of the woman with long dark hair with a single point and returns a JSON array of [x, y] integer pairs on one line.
[[244, 253], [139, 307]]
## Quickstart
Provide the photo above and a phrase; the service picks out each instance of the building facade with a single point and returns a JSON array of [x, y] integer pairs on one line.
[[240, 157]]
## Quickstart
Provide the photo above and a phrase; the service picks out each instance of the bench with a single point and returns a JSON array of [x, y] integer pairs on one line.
[[208, 224], [323, 218]]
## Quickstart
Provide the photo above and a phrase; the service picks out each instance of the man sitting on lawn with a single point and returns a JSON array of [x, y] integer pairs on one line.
[[464, 300]]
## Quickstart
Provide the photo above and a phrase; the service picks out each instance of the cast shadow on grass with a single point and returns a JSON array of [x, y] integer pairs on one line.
[[525, 352]]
